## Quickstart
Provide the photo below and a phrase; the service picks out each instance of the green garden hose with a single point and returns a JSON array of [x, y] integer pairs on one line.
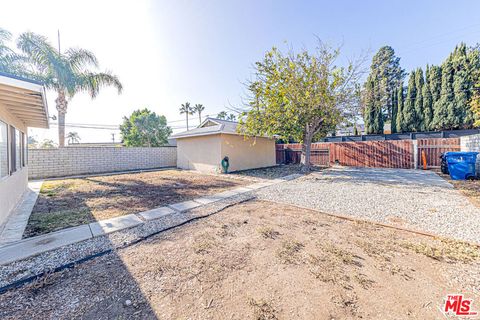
[[225, 164]]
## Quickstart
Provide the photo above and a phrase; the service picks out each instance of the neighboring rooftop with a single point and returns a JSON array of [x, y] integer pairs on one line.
[[208, 127], [25, 99]]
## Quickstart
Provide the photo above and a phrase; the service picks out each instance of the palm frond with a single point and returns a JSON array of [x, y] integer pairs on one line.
[[92, 82], [80, 59], [38, 49]]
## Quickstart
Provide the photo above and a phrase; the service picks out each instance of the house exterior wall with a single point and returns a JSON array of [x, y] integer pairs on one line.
[[11, 186], [202, 153], [61, 162], [248, 153]]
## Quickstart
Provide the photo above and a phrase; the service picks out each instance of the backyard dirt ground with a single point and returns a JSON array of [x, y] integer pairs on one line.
[[71, 202], [260, 260]]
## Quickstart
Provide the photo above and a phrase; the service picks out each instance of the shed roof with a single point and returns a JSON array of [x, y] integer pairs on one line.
[[25, 99], [208, 127]]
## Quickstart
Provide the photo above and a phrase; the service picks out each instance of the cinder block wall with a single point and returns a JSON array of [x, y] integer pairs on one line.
[[60, 162], [470, 143]]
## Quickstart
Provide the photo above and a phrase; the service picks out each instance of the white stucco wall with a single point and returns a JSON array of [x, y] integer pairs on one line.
[[248, 153], [205, 153], [199, 153], [11, 187]]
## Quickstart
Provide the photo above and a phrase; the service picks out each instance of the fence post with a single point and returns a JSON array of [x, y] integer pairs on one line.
[[415, 154]]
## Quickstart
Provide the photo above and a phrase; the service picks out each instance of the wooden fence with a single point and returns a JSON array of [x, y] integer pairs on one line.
[[377, 154], [433, 148]]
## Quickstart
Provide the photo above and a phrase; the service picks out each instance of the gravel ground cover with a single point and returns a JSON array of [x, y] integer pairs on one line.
[[259, 260], [75, 201], [408, 198]]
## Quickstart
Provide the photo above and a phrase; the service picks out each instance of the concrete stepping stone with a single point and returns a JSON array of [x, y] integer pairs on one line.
[[114, 224], [260, 185], [156, 213], [35, 245], [184, 206]]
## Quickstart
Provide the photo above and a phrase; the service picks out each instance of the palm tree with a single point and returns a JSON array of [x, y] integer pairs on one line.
[[187, 110], [67, 73], [231, 117], [198, 109], [10, 61], [222, 115], [73, 137]]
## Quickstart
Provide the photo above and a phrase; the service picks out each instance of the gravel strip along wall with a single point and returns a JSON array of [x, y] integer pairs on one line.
[[413, 199], [60, 162]]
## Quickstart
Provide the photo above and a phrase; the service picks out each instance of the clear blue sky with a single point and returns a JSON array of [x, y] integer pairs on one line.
[[169, 52]]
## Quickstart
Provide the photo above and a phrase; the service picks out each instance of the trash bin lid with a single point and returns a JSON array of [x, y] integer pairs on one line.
[[461, 156]]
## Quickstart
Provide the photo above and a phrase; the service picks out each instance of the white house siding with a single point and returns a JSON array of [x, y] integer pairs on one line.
[[11, 186]]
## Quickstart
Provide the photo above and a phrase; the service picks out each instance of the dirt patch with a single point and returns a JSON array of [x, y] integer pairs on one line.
[[260, 260], [72, 202]]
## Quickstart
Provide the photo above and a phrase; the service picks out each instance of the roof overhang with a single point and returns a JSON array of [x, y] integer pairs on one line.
[[25, 99]]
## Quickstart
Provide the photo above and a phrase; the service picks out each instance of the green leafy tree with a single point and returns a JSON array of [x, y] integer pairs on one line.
[[461, 85], [400, 122], [386, 74], [67, 73], [144, 128], [199, 108], [231, 117], [187, 110], [32, 142], [48, 144], [10, 61], [393, 123], [73, 137], [444, 108], [419, 83], [222, 115], [435, 80], [369, 111], [298, 96], [475, 105], [427, 101], [409, 116]]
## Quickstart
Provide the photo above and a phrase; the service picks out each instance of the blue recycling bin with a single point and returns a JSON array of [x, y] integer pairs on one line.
[[461, 165]]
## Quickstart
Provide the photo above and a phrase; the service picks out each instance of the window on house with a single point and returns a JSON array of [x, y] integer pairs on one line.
[[24, 150], [18, 150], [3, 149], [13, 155]]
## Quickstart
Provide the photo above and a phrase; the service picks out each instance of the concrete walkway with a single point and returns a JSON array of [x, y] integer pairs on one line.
[[35, 245], [17, 222]]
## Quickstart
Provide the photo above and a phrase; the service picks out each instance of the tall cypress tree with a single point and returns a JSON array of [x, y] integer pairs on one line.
[[399, 122], [369, 110], [435, 83], [419, 124], [444, 108], [393, 123], [460, 87], [427, 102], [378, 119], [386, 73], [409, 106]]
